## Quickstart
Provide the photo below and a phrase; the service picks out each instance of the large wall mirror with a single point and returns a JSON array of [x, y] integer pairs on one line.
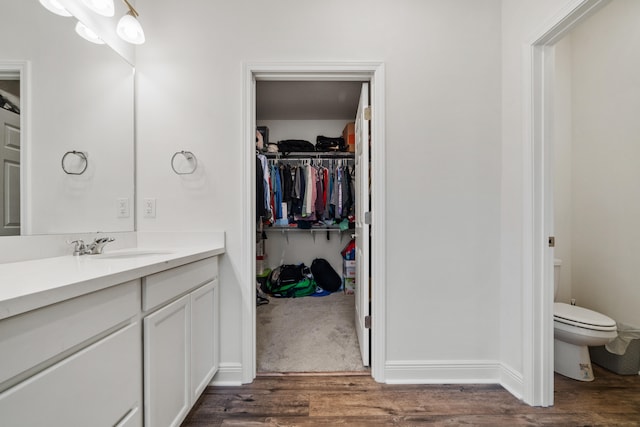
[[70, 96]]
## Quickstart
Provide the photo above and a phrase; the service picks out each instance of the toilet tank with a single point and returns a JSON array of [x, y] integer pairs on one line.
[[556, 276]]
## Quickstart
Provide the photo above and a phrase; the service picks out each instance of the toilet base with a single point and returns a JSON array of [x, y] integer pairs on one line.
[[572, 361]]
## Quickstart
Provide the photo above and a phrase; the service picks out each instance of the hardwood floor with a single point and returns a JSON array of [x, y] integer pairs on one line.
[[357, 400]]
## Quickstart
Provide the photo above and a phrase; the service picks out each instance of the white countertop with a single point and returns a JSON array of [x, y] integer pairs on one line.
[[29, 285]]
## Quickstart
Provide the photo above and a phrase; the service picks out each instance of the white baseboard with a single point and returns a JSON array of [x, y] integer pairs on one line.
[[419, 372], [455, 372], [442, 372], [229, 374], [511, 380]]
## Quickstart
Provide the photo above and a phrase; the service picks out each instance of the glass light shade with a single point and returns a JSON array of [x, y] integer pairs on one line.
[[130, 30], [101, 7], [88, 34], [54, 6]]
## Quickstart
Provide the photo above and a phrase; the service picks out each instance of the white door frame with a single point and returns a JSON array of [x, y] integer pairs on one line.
[[340, 71], [537, 266]]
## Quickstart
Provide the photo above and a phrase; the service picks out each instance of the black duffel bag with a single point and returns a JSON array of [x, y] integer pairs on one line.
[[325, 276], [324, 143], [292, 145]]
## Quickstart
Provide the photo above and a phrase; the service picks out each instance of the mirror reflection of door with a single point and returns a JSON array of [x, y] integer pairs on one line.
[[9, 156]]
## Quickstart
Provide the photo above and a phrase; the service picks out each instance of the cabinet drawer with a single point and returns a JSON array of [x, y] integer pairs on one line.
[[164, 286], [98, 386], [32, 338]]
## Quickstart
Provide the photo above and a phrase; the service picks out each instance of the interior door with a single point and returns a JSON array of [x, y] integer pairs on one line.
[[362, 223], [9, 173]]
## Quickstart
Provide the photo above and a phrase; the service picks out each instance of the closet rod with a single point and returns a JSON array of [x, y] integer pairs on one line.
[[289, 229]]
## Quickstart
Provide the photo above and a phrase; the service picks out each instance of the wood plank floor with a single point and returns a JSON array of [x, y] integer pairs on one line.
[[357, 400]]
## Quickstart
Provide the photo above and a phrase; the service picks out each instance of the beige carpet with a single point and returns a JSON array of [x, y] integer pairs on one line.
[[310, 334]]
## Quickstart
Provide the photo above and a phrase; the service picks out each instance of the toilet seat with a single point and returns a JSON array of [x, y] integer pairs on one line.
[[582, 317]]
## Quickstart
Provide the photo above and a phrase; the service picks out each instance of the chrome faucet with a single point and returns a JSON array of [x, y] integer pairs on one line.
[[94, 248], [80, 248], [97, 246]]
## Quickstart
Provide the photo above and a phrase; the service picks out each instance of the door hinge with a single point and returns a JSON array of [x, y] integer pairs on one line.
[[552, 241], [367, 322], [367, 113], [367, 218]]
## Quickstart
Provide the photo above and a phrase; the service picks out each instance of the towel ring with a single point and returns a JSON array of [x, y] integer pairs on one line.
[[190, 158], [81, 155]]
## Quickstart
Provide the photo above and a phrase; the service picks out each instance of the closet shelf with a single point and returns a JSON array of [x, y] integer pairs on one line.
[[313, 232], [311, 155]]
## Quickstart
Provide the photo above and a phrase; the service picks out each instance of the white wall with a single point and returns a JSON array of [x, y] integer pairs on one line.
[[563, 164], [606, 162], [303, 247], [443, 157]]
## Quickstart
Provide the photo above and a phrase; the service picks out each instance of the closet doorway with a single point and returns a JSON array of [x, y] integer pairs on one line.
[[294, 102]]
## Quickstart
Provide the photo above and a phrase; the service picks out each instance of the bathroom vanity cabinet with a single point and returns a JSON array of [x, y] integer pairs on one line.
[[180, 340], [130, 354], [65, 362]]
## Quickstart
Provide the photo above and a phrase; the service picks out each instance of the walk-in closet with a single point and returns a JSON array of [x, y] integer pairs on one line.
[[310, 191]]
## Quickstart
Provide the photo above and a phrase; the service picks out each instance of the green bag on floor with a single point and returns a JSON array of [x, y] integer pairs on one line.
[[290, 281]]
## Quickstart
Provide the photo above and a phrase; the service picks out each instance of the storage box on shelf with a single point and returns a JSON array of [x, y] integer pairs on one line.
[[349, 135]]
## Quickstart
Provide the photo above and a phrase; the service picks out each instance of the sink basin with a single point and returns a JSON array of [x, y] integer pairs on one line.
[[130, 254]]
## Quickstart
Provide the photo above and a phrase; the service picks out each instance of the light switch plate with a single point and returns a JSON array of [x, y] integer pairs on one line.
[[149, 208]]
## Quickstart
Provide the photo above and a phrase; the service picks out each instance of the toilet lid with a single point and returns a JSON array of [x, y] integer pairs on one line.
[[580, 316]]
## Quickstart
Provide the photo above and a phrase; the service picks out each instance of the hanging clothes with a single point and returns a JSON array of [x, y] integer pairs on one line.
[[261, 209], [347, 194], [297, 194], [262, 174], [277, 191], [287, 183], [352, 190], [336, 197], [310, 191], [330, 206], [307, 192], [319, 204], [325, 192]]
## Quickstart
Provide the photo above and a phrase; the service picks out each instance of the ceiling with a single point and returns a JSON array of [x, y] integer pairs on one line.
[[307, 100]]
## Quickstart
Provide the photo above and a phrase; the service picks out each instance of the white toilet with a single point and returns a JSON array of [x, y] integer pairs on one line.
[[574, 330]]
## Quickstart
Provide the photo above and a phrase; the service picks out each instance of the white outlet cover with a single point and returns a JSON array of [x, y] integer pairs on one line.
[[123, 208], [149, 208]]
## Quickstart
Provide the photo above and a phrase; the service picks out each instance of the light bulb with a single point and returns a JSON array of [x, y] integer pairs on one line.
[[130, 30], [101, 7], [54, 6], [88, 34]]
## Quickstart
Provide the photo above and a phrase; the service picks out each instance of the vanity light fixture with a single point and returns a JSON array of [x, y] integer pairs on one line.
[[88, 34], [101, 7], [129, 28], [54, 6]]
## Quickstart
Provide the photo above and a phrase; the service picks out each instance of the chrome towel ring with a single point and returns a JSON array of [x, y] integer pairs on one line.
[[83, 158], [191, 159]]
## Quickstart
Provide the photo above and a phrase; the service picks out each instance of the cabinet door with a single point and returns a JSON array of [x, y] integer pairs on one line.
[[98, 386], [204, 337], [166, 364]]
